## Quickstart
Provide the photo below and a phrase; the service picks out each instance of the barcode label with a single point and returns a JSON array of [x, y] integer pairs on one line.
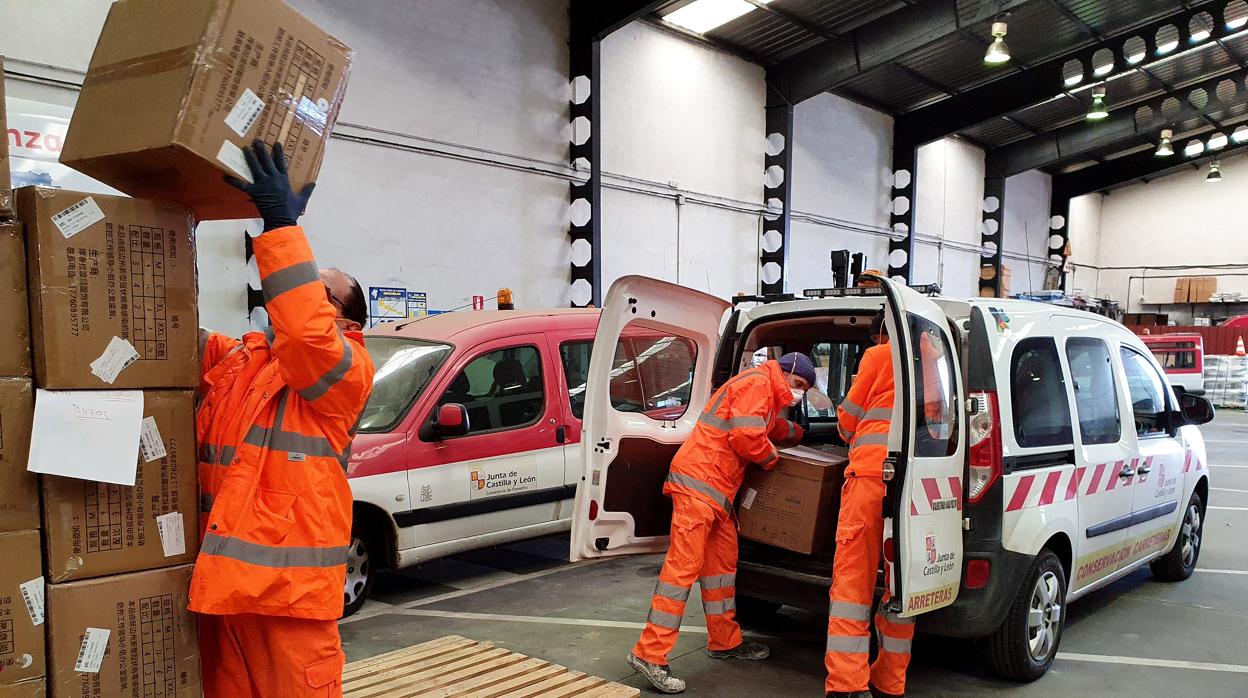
[[32, 594], [78, 217], [232, 157], [750, 494], [149, 440], [245, 112], [91, 654], [172, 539], [117, 356]]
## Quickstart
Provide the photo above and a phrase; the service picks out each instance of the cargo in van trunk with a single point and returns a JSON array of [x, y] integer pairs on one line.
[[796, 504]]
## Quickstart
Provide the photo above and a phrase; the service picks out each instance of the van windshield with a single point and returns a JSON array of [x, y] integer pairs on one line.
[[404, 368]]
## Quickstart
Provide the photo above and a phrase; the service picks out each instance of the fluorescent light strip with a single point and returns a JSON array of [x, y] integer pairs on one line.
[[701, 16]]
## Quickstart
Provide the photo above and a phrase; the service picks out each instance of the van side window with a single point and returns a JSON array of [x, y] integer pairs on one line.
[[1038, 393], [1148, 392], [575, 356], [650, 373], [935, 391], [501, 389], [1096, 397]]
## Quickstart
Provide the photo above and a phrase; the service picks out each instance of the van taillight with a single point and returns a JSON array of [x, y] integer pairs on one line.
[[984, 431], [977, 573], [593, 510]]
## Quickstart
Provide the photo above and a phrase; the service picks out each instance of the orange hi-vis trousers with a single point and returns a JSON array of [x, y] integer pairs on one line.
[[255, 656], [704, 550], [859, 542]]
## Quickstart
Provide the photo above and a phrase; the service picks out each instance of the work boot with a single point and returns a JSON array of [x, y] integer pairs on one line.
[[745, 650], [877, 693], [659, 675]]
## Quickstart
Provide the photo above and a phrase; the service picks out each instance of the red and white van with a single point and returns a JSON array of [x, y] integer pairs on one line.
[[1182, 357], [471, 436], [1037, 454]]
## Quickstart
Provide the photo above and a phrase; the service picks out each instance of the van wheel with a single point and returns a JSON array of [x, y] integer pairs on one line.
[[1023, 648], [362, 558], [1180, 562], [750, 608]]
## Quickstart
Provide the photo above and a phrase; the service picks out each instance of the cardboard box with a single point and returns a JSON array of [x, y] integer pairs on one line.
[[21, 608], [1182, 287], [1005, 281], [6, 184], [175, 89], [110, 276], [14, 307], [35, 688], [19, 489], [1203, 288], [794, 505], [138, 623], [92, 528]]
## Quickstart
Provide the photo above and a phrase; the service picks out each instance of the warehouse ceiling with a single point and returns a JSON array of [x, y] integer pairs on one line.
[[1161, 64]]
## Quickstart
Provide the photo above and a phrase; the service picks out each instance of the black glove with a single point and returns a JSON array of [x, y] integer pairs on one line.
[[270, 191]]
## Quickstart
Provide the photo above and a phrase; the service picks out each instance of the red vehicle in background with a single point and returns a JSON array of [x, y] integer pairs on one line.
[[1236, 321], [1182, 357]]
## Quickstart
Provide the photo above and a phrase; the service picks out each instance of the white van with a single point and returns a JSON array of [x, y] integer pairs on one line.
[[1038, 454]]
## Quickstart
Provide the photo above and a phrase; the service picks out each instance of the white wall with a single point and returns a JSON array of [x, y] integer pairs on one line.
[[1027, 199], [948, 214], [1084, 235]]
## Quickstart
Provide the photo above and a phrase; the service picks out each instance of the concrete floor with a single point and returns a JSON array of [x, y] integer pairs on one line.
[[1139, 637]]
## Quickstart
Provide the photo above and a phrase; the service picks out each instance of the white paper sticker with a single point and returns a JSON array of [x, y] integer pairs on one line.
[[32, 594], [245, 112], [87, 434], [116, 357], [149, 440], [78, 217], [750, 494], [172, 538], [91, 654], [231, 156]]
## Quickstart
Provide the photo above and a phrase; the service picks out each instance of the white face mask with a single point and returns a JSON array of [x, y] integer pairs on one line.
[[797, 396]]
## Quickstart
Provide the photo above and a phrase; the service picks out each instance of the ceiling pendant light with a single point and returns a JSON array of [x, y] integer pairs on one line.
[[1215, 175], [998, 52], [1165, 148], [1099, 110]]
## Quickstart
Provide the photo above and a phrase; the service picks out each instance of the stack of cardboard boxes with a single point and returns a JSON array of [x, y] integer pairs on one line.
[[107, 300], [1195, 289]]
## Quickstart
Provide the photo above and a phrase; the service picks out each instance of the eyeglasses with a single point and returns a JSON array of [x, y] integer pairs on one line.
[[338, 305]]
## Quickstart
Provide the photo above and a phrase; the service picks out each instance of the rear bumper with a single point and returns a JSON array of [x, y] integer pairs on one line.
[[979, 612]]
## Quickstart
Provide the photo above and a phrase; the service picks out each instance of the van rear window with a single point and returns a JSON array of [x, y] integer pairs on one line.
[[1038, 394]]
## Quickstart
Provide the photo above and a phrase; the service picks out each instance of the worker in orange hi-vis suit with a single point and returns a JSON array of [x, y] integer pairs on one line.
[[274, 426], [740, 425], [863, 421]]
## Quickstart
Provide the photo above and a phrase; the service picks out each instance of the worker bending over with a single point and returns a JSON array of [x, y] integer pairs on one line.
[[274, 427], [863, 420], [740, 425]]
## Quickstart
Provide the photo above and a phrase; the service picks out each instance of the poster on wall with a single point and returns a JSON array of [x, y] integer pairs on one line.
[[36, 134], [417, 304], [386, 304]]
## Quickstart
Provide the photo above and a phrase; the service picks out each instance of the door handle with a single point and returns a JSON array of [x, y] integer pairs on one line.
[[1144, 469], [1127, 471], [561, 435]]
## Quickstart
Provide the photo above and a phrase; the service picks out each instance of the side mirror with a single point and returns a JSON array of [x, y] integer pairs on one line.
[[451, 420], [1195, 409]]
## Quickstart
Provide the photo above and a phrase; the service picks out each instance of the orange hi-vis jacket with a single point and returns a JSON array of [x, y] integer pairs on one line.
[[863, 418], [739, 426], [275, 426]]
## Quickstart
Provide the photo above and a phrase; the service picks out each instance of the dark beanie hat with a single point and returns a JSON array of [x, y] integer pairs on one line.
[[877, 324], [799, 365]]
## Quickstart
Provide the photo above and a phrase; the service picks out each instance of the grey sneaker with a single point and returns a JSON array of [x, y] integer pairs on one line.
[[659, 675], [745, 650]]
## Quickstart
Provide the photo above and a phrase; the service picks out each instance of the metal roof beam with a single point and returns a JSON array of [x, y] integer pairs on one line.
[[833, 63], [1042, 81], [594, 19], [1141, 166]]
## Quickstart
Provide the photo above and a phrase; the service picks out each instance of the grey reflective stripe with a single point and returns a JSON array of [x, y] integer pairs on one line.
[[894, 645], [662, 619], [851, 408], [770, 459], [271, 555], [878, 414], [870, 440], [205, 502], [849, 611], [671, 591], [792, 431], [332, 376], [698, 486], [718, 581], [719, 608], [723, 392], [208, 453], [293, 276], [896, 619], [847, 436], [733, 423], [291, 442], [849, 644], [226, 456]]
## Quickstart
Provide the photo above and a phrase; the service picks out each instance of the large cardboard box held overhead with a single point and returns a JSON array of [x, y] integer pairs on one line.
[[21, 608], [110, 278], [794, 505], [93, 528], [131, 631], [14, 307], [19, 489], [174, 89]]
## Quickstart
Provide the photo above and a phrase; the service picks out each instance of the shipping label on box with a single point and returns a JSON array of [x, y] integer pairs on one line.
[[93, 529], [19, 489], [14, 310], [112, 282], [224, 73], [21, 608], [124, 635]]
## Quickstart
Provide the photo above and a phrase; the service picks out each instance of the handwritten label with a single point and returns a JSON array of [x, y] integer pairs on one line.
[[32, 594], [231, 156], [245, 112], [172, 538], [91, 654], [78, 217], [748, 501], [149, 440], [117, 356]]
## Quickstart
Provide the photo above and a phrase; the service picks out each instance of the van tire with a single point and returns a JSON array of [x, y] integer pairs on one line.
[[1010, 649], [363, 556], [1179, 564]]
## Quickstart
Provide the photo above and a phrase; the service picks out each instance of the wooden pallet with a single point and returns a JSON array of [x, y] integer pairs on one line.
[[455, 666]]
